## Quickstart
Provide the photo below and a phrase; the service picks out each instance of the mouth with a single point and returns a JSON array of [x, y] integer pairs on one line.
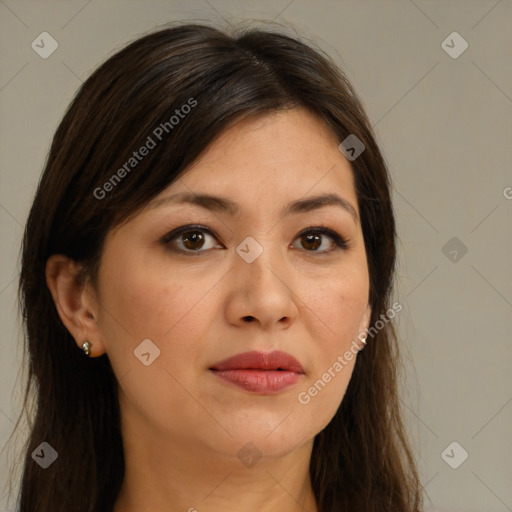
[[263, 373], [274, 361]]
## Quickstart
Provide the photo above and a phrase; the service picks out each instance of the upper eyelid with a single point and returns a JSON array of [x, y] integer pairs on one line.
[[331, 233]]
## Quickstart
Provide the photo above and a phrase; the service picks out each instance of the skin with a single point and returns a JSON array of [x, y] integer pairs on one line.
[[182, 426]]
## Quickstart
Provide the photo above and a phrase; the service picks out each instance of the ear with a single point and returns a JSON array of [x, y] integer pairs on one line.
[[74, 301]]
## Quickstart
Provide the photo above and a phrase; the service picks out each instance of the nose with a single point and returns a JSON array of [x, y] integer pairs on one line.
[[262, 292]]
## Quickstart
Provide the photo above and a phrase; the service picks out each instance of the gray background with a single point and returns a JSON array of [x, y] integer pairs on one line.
[[445, 127]]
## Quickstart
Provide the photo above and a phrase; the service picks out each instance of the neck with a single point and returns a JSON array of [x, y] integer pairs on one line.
[[182, 476]]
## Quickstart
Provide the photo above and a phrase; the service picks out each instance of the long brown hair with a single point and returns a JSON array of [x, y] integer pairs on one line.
[[362, 460]]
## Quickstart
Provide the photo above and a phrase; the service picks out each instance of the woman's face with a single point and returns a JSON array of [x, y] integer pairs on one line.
[[254, 280]]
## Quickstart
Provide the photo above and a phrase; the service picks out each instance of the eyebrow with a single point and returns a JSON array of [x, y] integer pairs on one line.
[[224, 205]]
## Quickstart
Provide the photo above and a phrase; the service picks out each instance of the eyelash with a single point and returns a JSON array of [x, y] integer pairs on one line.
[[339, 241]]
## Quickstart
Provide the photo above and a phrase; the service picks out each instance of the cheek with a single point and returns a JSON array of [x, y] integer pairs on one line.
[[152, 300], [147, 297], [336, 313], [337, 308], [148, 300]]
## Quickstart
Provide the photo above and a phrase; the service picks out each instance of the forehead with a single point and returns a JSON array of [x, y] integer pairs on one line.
[[280, 155]]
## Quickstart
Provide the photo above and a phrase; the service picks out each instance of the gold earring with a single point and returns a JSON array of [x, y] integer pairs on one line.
[[363, 341], [86, 348]]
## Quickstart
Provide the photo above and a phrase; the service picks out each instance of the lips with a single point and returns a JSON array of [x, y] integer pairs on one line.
[[258, 372], [276, 360]]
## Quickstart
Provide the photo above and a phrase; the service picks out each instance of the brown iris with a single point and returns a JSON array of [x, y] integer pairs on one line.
[[313, 241], [193, 240]]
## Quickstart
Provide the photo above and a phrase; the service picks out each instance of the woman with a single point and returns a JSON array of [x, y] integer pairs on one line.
[[210, 244]]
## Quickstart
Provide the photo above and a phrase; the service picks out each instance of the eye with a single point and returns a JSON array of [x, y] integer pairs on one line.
[[313, 237], [193, 240], [189, 239]]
